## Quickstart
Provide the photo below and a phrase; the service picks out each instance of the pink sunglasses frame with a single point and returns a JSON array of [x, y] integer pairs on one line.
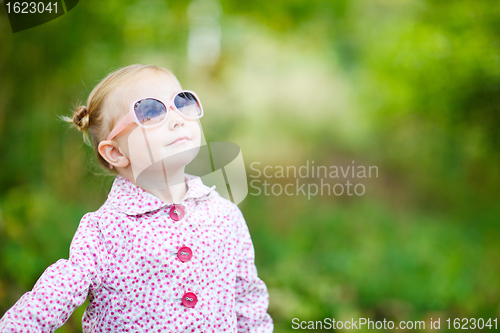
[[131, 117]]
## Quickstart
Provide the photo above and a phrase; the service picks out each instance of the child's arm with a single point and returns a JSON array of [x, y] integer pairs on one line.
[[252, 298], [62, 287]]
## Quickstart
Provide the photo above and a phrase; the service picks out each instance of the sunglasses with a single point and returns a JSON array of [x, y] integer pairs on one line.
[[151, 112]]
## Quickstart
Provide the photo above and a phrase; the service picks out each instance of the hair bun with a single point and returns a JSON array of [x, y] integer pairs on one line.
[[81, 118]]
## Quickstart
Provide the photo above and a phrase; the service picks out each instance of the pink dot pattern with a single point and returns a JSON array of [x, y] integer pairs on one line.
[[124, 258]]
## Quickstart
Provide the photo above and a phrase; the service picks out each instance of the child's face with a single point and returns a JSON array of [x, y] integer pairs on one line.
[[164, 149]]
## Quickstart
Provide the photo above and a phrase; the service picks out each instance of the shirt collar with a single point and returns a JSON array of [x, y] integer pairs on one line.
[[133, 200]]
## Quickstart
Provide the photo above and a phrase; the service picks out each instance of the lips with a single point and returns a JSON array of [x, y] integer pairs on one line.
[[178, 140]]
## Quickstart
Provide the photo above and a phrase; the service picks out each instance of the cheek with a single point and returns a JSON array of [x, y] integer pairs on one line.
[[138, 151], [196, 130]]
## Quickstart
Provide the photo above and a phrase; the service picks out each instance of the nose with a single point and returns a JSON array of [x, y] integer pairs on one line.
[[174, 119]]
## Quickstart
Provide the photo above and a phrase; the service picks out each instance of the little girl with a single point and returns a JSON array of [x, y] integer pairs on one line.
[[164, 253]]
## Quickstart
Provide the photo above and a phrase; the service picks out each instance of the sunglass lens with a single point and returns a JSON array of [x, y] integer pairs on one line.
[[150, 111], [187, 104]]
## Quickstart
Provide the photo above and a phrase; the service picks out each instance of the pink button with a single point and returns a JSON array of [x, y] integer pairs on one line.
[[176, 212], [184, 254], [189, 300]]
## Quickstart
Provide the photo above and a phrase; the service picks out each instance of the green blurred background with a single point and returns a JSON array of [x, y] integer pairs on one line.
[[412, 87]]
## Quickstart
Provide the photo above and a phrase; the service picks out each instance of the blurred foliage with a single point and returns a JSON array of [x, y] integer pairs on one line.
[[410, 86]]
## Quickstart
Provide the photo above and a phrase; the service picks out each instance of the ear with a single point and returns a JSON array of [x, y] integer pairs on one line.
[[112, 154]]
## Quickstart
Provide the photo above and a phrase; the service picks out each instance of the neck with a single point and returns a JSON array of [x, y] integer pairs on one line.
[[169, 186], [175, 188]]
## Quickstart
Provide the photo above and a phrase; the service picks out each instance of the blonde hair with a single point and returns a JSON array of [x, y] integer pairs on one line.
[[92, 119]]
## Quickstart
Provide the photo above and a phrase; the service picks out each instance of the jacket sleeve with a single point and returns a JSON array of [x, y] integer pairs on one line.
[[63, 286], [252, 298]]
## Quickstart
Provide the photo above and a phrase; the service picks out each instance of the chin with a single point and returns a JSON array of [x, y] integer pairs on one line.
[[181, 157]]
